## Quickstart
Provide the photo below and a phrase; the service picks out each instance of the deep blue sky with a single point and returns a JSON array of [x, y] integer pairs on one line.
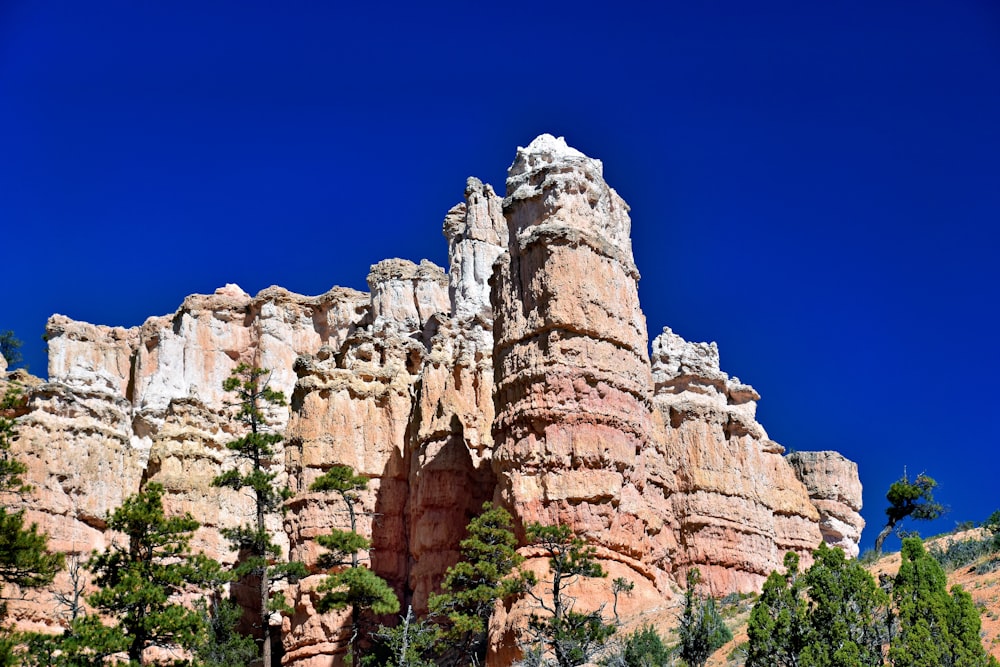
[[816, 186]]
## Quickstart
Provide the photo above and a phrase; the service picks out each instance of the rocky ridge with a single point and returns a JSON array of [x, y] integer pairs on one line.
[[521, 376]]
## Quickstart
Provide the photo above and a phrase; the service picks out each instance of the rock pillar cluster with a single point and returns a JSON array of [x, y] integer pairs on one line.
[[521, 375]]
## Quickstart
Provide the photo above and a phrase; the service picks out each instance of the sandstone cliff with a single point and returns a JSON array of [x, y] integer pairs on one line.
[[522, 376]]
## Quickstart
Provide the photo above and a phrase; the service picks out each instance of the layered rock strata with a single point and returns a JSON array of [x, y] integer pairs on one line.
[[520, 376], [835, 490], [573, 390], [739, 504]]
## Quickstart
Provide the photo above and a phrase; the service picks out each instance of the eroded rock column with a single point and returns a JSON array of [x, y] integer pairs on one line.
[[573, 381], [452, 445]]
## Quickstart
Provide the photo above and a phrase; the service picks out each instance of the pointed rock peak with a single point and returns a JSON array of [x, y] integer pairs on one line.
[[546, 150]]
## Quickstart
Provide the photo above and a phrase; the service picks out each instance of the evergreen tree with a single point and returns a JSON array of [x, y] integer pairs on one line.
[[349, 585], [10, 348], [935, 627], [701, 628], [222, 646], [642, 648], [909, 499], [572, 637], [25, 562], [486, 573], [256, 450], [835, 615], [406, 645], [847, 612], [778, 625], [138, 581]]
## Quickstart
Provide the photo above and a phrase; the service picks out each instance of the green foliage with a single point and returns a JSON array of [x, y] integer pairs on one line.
[[255, 451], [934, 627], [221, 645], [10, 468], [86, 643], [778, 624], [992, 523], [404, 645], [618, 586], [257, 446], [25, 561], [137, 581], [350, 585], [342, 545], [909, 499], [847, 610], [835, 615], [643, 648], [357, 587], [486, 573], [831, 616], [10, 348], [956, 553], [701, 630], [572, 637]]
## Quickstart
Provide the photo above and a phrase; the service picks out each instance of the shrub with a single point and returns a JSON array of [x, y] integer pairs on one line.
[[645, 648]]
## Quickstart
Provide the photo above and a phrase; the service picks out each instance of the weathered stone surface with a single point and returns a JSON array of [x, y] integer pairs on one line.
[[90, 356], [451, 474], [521, 376], [354, 406], [477, 236], [835, 490], [128, 406], [739, 504], [573, 383]]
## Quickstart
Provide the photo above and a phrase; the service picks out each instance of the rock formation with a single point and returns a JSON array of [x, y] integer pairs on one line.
[[739, 504], [521, 376], [835, 490]]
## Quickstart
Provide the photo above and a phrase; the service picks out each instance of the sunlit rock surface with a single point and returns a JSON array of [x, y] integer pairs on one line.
[[521, 376]]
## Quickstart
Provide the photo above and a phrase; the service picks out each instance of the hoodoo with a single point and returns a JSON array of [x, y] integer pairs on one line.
[[521, 375]]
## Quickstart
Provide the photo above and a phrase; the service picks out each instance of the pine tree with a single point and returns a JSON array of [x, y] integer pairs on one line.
[[835, 615], [256, 450], [701, 630], [10, 348], [25, 561], [406, 645], [486, 573], [572, 637], [935, 627], [138, 583], [908, 499], [221, 645], [847, 612], [778, 625], [349, 585]]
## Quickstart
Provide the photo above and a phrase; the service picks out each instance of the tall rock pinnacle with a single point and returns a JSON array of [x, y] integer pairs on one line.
[[573, 382]]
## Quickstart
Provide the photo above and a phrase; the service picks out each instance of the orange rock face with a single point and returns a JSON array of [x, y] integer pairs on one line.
[[520, 376], [573, 387], [739, 504]]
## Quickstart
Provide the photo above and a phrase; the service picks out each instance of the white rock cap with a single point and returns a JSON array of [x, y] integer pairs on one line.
[[547, 149]]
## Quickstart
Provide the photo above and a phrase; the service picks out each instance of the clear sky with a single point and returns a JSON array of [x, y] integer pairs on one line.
[[815, 186]]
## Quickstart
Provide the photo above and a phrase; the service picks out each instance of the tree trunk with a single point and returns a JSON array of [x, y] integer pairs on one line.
[[884, 533], [265, 616]]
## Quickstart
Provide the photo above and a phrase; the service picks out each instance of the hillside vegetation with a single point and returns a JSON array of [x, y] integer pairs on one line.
[[970, 558]]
